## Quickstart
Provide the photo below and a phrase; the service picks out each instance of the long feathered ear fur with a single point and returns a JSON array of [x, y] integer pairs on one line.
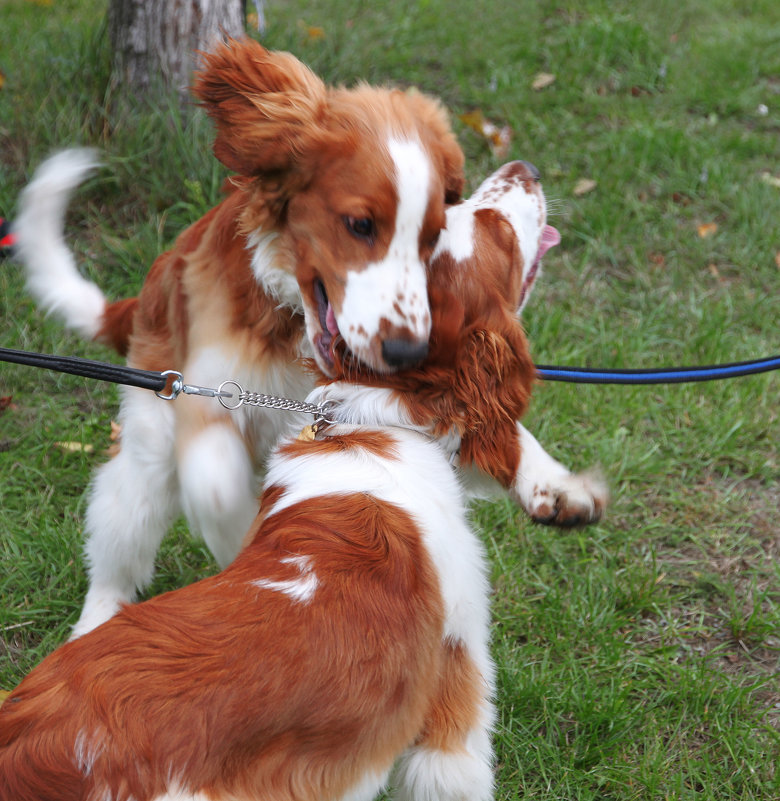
[[494, 378], [266, 106]]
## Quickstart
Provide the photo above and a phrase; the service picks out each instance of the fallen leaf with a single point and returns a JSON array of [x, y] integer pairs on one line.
[[706, 229], [7, 402], [313, 33], [658, 259], [542, 80], [497, 138], [770, 179], [583, 186], [3, 695], [777, 259], [114, 447], [75, 447], [2, 79]]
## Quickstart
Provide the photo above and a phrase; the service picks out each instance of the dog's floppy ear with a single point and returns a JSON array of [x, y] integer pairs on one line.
[[494, 378], [265, 105]]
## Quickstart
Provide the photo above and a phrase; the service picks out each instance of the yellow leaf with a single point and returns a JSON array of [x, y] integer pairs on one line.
[[770, 179], [583, 186], [499, 139], [777, 259], [3, 695], [706, 229], [312, 33], [75, 447], [474, 119], [542, 80], [2, 79]]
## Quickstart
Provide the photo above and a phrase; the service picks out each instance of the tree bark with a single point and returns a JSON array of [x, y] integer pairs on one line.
[[156, 42]]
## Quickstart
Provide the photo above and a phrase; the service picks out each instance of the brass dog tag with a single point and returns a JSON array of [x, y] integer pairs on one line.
[[308, 433]]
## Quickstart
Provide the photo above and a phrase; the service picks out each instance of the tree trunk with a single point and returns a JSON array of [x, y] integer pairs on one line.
[[155, 42]]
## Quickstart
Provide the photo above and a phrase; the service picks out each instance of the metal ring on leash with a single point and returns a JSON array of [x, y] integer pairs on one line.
[[222, 395]]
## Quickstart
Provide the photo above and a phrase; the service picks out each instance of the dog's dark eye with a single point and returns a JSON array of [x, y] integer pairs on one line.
[[361, 227], [434, 240]]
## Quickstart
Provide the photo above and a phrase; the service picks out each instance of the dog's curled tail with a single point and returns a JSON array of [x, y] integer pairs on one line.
[[52, 276]]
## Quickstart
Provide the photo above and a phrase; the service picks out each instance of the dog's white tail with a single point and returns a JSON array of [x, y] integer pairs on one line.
[[52, 276]]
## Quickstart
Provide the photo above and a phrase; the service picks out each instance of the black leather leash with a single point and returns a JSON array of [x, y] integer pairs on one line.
[[88, 368]]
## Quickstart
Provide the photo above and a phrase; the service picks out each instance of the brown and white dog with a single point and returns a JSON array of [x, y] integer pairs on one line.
[[347, 646], [323, 238]]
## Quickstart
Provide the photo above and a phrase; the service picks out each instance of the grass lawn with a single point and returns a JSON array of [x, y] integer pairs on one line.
[[638, 658]]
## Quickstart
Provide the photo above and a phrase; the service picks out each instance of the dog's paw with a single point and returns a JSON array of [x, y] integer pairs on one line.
[[99, 606], [569, 499]]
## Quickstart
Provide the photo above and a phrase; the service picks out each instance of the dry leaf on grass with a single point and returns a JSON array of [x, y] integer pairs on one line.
[[3, 695], [706, 229], [75, 447], [542, 80], [497, 138], [583, 186], [770, 179], [313, 33], [116, 431], [715, 272]]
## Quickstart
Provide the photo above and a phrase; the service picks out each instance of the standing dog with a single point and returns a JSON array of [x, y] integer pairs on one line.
[[347, 644], [322, 239]]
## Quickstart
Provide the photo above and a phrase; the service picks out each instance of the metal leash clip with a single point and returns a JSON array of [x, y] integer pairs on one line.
[[178, 386]]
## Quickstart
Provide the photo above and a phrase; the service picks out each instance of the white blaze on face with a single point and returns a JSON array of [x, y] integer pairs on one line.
[[395, 288]]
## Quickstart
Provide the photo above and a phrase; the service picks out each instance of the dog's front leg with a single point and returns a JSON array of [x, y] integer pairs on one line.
[[551, 493], [216, 479]]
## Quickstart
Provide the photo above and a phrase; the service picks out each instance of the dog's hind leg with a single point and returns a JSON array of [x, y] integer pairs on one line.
[[132, 503], [453, 759]]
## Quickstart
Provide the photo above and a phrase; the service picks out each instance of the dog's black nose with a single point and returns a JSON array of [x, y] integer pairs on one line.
[[535, 174], [401, 353]]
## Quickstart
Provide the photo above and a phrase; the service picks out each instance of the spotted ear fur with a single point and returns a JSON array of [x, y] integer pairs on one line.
[[494, 378]]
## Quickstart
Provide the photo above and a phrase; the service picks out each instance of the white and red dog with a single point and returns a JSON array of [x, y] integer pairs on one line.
[[347, 646], [323, 239]]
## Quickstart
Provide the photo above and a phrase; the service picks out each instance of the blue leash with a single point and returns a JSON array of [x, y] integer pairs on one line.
[[669, 375]]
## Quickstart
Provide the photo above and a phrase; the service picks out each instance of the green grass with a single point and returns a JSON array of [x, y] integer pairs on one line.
[[637, 659]]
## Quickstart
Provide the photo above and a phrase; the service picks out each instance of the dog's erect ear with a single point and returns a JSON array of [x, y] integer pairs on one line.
[[265, 105], [495, 375]]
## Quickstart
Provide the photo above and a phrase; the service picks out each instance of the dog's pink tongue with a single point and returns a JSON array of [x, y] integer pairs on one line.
[[550, 238], [330, 321]]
